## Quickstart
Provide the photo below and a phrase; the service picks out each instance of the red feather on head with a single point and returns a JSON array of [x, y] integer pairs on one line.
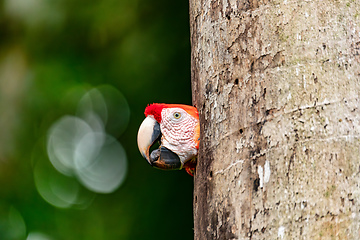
[[156, 108]]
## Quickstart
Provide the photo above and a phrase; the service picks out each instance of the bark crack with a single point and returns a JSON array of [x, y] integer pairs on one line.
[[223, 171]]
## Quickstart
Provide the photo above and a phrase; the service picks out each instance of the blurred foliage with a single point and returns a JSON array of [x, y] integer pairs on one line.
[[51, 53]]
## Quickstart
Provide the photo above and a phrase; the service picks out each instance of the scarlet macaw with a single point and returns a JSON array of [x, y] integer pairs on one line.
[[177, 128]]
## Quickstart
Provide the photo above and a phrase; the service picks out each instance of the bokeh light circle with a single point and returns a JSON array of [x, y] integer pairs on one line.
[[83, 146], [105, 170]]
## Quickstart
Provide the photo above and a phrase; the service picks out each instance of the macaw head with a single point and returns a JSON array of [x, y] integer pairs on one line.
[[177, 129]]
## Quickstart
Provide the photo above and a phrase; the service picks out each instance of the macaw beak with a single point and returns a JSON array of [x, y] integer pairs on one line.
[[163, 158]]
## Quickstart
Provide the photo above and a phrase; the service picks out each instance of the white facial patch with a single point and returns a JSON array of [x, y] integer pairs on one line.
[[178, 132]]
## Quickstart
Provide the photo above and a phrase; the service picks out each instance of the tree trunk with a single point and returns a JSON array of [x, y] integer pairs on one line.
[[277, 87]]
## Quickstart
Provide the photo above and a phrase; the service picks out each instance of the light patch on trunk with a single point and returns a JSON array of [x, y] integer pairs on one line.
[[264, 173], [281, 232], [267, 172]]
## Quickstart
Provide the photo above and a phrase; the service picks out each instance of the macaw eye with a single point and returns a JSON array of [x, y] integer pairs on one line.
[[177, 115]]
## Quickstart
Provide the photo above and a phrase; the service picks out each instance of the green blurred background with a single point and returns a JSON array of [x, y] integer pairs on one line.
[[59, 57]]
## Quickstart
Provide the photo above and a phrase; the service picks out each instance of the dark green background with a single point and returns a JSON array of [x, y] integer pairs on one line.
[[142, 48]]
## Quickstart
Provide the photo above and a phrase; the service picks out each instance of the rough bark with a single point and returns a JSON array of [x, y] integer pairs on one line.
[[277, 86]]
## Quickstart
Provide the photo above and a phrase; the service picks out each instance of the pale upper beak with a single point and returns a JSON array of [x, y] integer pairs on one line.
[[163, 158], [149, 133]]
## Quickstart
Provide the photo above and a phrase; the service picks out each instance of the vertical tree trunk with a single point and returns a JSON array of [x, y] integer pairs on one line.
[[277, 86]]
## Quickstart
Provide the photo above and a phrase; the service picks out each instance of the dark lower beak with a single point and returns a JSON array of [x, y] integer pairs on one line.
[[164, 158]]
